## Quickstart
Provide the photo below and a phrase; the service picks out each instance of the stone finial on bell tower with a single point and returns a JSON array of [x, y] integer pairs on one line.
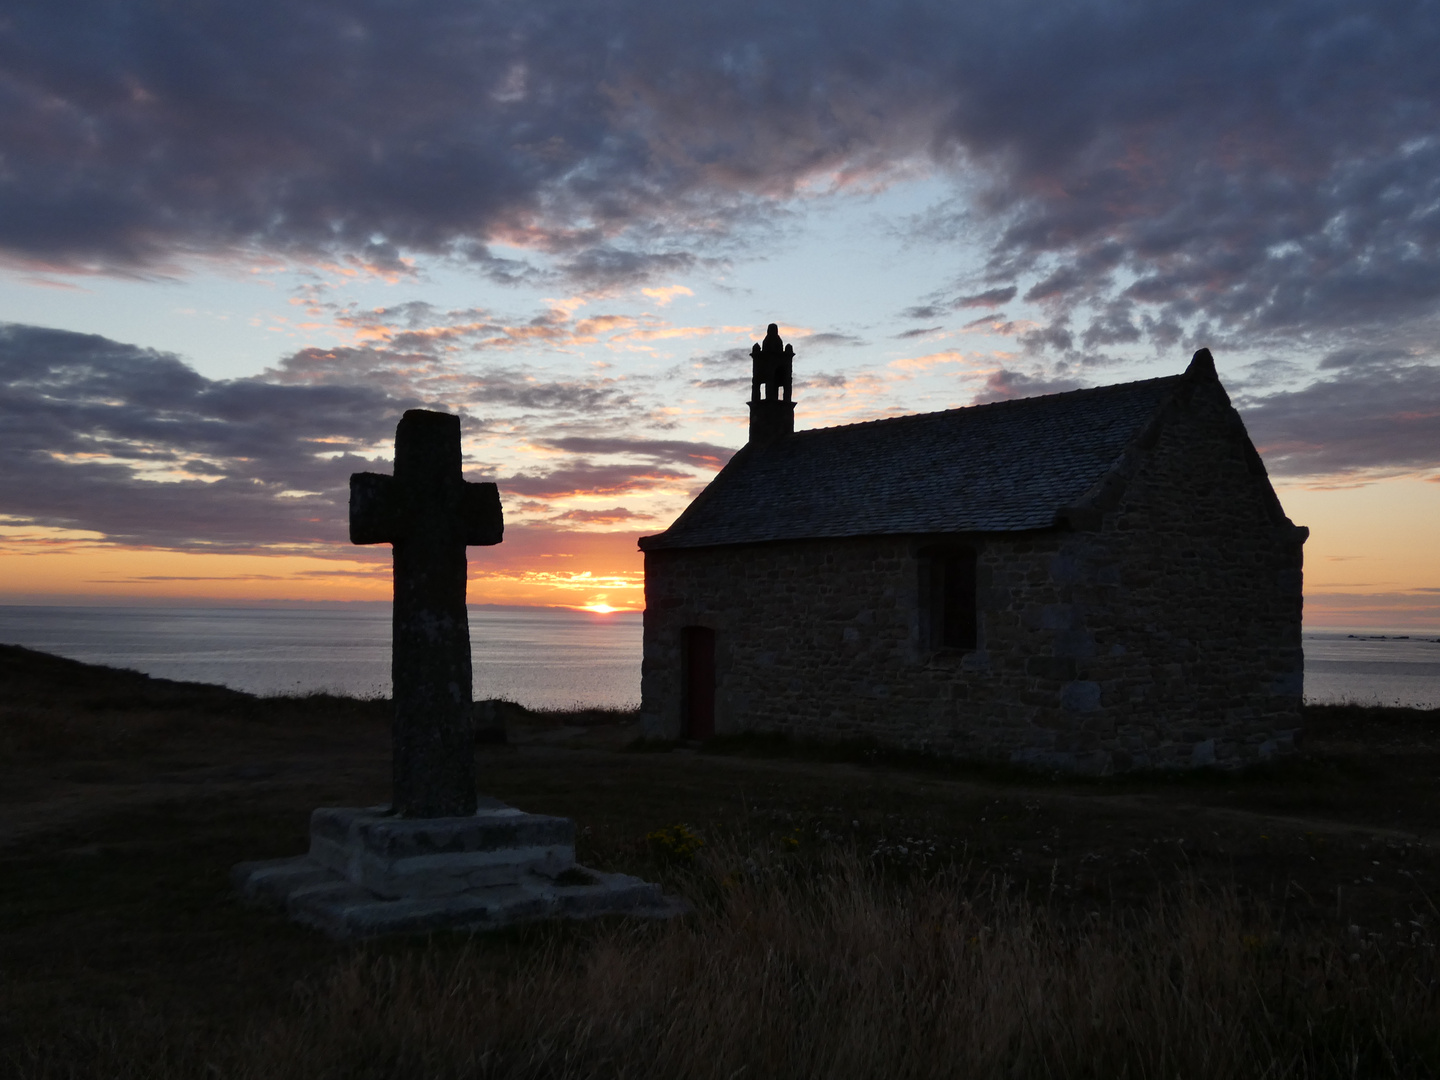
[[771, 415]]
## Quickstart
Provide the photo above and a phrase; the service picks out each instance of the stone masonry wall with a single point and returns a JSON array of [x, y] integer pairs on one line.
[[1165, 634]]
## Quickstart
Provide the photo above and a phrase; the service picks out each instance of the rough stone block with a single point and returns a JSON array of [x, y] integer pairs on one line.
[[390, 856], [1080, 696], [368, 874]]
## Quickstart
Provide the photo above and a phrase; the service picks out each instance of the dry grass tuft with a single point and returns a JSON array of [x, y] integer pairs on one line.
[[828, 967]]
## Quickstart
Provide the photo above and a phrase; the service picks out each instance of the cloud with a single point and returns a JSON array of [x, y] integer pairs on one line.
[[1365, 355], [736, 384], [492, 389], [1115, 325], [584, 478], [924, 363], [723, 358], [661, 451], [1272, 167], [824, 340], [1263, 175], [664, 295], [606, 267], [991, 298], [136, 445], [138, 132], [614, 516], [1005, 384], [1375, 415]]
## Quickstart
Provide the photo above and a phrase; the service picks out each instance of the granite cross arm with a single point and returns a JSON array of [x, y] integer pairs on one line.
[[428, 512]]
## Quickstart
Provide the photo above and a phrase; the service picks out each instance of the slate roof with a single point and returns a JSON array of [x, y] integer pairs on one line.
[[987, 468]]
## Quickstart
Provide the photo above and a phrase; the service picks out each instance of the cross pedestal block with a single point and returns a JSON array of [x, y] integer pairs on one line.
[[369, 872], [395, 857]]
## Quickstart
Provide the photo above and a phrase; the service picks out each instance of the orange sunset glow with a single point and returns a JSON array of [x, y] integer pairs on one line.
[[599, 572], [1356, 575]]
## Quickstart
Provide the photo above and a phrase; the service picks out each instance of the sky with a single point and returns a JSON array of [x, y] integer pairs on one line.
[[238, 240]]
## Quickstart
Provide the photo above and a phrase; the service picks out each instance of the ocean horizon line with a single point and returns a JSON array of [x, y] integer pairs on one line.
[[274, 604], [235, 604], [542, 657]]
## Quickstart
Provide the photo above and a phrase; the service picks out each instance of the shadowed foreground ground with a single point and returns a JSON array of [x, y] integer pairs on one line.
[[856, 915]]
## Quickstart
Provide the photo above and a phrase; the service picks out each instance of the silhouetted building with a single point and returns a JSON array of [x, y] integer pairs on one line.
[[1096, 580]]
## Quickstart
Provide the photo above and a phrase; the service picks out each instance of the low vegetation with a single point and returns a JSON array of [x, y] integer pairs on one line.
[[852, 916]]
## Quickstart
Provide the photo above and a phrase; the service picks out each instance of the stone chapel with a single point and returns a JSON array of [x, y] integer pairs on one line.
[[1098, 580]]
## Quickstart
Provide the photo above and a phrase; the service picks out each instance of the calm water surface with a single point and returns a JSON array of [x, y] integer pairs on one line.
[[540, 657], [1400, 668]]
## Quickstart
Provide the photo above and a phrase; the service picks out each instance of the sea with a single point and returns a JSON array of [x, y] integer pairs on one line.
[[543, 658]]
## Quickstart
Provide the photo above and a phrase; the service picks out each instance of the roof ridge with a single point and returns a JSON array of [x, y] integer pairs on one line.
[[1010, 402], [1000, 466]]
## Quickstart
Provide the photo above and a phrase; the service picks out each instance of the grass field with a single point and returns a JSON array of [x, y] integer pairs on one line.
[[855, 914]]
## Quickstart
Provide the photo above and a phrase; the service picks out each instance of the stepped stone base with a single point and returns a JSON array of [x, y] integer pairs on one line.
[[369, 874]]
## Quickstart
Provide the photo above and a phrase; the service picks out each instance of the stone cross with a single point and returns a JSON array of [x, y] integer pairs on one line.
[[429, 513]]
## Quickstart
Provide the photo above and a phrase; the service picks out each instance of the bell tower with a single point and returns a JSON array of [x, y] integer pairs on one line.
[[772, 416]]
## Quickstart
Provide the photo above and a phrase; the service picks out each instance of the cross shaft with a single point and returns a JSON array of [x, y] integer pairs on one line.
[[428, 513]]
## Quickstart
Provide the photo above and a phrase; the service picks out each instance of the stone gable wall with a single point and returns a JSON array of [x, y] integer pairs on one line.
[[1165, 634]]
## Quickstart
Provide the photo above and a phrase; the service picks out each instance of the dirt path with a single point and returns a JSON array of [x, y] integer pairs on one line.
[[56, 798]]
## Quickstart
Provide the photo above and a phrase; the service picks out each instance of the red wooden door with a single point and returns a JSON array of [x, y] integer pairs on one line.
[[697, 644]]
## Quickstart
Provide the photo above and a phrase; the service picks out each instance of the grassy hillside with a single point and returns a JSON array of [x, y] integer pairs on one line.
[[856, 914]]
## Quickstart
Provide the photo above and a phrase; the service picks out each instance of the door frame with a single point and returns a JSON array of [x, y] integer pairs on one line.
[[697, 641]]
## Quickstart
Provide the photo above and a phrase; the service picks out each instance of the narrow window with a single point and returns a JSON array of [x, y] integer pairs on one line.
[[953, 616], [697, 682]]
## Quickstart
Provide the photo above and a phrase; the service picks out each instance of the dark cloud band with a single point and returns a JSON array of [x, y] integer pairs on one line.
[[134, 444], [1267, 165]]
